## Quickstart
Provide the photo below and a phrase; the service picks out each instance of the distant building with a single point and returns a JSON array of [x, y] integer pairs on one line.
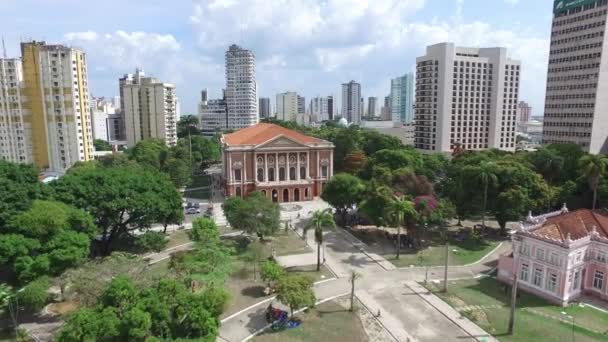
[[115, 124], [321, 108], [149, 109], [351, 102], [372, 104], [101, 109], [213, 115], [284, 165], [402, 99], [287, 106], [524, 112], [264, 108], [241, 88], [385, 112], [453, 112], [301, 104]]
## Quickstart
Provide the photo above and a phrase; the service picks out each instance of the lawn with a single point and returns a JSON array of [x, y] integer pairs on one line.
[[531, 320], [289, 243], [177, 238], [327, 322]]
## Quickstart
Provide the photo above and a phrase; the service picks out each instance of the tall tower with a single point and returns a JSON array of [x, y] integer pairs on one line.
[[241, 88], [15, 127], [56, 105], [351, 102], [576, 103], [465, 97], [402, 97]]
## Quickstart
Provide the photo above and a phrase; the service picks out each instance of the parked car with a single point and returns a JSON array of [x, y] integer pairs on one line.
[[192, 211]]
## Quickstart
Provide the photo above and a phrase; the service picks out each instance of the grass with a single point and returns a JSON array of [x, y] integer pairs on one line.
[[289, 243], [531, 322], [177, 238], [327, 322]]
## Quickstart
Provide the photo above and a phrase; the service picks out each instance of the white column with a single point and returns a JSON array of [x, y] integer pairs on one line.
[[229, 168], [331, 164], [297, 165], [265, 167], [276, 167], [307, 164]]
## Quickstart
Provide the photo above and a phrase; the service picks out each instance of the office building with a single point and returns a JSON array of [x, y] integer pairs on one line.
[[264, 108], [44, 107], [287, 106], [402, 97], [524, 112], [351, 102], [213, 115], [576, 102], [466, 98], [385, 112], [149, 109], [116, 128], [241, 88], [301, 104], [101, 109], [322, 108], [372, 104]]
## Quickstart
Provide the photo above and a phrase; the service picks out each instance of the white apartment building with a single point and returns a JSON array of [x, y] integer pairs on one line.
[[576, 103], [213, 115], [15, 130], [241, 88], [322, 108], [49, 113], [465, 97], [352, 102], [287, 106], [149, 109], [101, 109]]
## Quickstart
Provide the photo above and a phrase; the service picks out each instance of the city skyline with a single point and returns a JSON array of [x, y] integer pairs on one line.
[[314, 60]]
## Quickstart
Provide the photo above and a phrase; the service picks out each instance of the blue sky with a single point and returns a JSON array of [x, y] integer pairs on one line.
[[309, 46]]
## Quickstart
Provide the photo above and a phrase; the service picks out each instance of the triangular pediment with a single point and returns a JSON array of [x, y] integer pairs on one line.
[[281, 141]]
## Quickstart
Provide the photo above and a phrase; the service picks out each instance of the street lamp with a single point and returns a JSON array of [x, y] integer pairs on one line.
[[572, 319]]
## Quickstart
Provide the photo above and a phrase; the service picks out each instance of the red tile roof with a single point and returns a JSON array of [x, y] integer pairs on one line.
[[578, 224], [263, 132]]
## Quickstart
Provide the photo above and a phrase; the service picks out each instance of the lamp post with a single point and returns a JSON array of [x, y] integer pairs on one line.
[[571, 318]]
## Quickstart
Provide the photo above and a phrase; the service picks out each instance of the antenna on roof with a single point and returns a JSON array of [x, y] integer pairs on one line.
[[3, 48]]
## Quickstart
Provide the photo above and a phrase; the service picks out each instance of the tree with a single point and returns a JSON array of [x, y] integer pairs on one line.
[[90, 325], [151, 241], [376, 199], [296, 291], [271, 272], [179, 171], [204, 230], [209, 264], [137, 324], [19, 187], [353, 277], [548, 163], [102, 145], [255, 215], [188, 126], [593, 167], [321, 220], [571, 154], [354, 162], [150, 152], [401, 210], [342, 192], [511, 205], [487, 177], [121, 199], [254, 253], [394, 160], [34, 295]]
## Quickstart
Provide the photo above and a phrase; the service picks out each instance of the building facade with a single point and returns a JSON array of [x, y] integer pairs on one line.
[[241, 88], [213, 115], [101, 109], [372, 107], [385, 112], [467, 98], [282, 164], [264, 108], [322, 108], [524, 112], [15, 128], [287, 106], [351, 102], [149, 109], [402, 99], [560, 256], [576, 102]]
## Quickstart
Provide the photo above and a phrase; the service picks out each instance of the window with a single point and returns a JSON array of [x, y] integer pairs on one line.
[[281, 174], [551, 282], [260, 175], [302, 173], [579, 256], [271, 174], [237, 175], [576, 281], [598, 280], [525, 272], [324, 171], [540, 254], [238, 191], [538, 277], [525, 249], [600, 256], [292, 173], [553, 259]]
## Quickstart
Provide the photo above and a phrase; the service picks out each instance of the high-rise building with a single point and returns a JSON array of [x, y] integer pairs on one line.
[[576, 106], [213, 115], [101, 109], [465, 97], [372, 104], [149, 109], [116, 128], [241, 88], [301, 104], [351, 102], [51, 127], [386, 109], [402, 97], [264, 107], [524, 112], [321, 108], [287, 106]]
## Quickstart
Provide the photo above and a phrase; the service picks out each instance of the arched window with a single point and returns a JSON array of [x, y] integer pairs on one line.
[[237, 175], [281, 174], [260, 175], [306, 193], [292, 173], [324, 171], [238, 191], [264, 193], [275, 195], [296, 195], [285, 195], [302, 172], [271, 174]]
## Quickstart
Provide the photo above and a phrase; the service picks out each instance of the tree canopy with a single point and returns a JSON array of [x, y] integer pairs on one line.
[[255, 214]]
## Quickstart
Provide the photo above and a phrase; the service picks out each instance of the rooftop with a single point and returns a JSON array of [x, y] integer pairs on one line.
[[576, 224], [263, 132]]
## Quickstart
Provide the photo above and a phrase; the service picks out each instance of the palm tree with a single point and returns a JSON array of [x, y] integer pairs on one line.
[[487, 177], [321, 220], [402, 210], [593, 167]]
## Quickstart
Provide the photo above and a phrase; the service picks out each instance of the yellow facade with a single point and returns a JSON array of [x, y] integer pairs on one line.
[[83, 109]]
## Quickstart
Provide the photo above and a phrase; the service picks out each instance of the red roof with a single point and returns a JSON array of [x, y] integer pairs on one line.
[[578, 224], [263, 132]]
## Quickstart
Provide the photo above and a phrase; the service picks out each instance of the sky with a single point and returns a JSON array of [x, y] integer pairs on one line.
[[308, 46]]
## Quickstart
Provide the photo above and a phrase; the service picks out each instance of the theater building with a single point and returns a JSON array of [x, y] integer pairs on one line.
[[282, 164]]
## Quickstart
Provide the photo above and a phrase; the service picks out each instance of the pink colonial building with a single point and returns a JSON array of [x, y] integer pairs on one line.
[[282, 164], [560, 255]]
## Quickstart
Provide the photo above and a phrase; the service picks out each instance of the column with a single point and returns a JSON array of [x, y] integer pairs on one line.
[[307, 164], [265, 167], [276, 167], [297, 165], [229, 168], [331, 164]]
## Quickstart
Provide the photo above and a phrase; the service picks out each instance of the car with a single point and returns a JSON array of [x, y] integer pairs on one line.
[[192, 211]]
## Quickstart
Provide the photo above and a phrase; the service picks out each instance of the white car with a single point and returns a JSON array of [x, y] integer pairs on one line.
[[192, 211]]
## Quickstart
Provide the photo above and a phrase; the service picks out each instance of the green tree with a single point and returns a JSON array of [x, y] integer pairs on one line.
[[296, 291], [151, 241], [121, 199], [136, 324], [571, 154], [376, 199], [19, 187], [271, 272], [179, 171], [215, 299], [548, 163], [90, 325], [593, 167], [320, 221], [150, 152], [255, 214], [204, 230], [102, 145], [486, 175], [342, 192], [401, 210], [188, 126], [511, 205], [34, 295]]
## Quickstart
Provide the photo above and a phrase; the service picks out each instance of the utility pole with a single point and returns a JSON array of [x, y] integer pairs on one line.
[[513, 300], [445, 271]]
